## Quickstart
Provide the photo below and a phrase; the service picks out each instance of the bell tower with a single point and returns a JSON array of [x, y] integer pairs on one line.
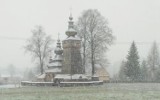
[[72, 61]]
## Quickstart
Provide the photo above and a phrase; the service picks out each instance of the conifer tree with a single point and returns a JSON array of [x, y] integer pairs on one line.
[[153, 62], [132, 64], [144, 71], [122, 76]]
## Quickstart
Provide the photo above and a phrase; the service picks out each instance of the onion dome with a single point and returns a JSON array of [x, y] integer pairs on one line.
[[58, 50], [56, 62], [71, 31]]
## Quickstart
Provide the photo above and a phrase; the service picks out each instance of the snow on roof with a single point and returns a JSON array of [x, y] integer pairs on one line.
[[68, 76], [41, 76], [71, 30], [54, 64], [53, 70], [73, 38], [58, 57]]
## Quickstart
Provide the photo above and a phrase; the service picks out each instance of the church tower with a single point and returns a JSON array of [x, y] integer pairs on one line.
[[55, 64], [72, 61]]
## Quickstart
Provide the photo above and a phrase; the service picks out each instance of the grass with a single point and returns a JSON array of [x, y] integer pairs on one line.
[[110, 91]]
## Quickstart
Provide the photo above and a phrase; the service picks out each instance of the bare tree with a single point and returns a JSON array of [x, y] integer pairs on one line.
[[39, 46], [153, 61], [95, 34], [82, 30]]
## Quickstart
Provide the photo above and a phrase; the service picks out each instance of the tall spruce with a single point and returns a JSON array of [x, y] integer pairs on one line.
[[122, 76], [132, 65], [153, 62], [157, 76], [144, 71]]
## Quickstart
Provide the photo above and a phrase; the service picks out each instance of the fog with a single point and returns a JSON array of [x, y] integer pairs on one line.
[[137, 20]]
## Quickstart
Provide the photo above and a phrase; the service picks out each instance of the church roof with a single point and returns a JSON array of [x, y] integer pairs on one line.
[[73, 38], [58, 50], [42, 76], [53, 70], [58, 57], [71, 31], [55, 64], [57, 60]]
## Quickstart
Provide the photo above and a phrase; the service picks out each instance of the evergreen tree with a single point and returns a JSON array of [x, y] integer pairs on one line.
[[122, 76], [132, 64], [144, 71], [157, 76], [153, 62]]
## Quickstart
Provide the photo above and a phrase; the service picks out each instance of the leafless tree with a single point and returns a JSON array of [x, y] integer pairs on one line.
[[95, 34], [39, 46]]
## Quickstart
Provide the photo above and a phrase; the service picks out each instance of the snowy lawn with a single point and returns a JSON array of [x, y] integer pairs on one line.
[[109, 91]]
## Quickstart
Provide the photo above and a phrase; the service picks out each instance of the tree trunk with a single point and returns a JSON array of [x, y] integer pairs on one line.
[[84, 57], [93, 70], [41, 66], [84, 50], [92, 56]]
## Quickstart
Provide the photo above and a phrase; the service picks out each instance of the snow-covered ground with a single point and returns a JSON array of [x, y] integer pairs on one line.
[[108, 91]]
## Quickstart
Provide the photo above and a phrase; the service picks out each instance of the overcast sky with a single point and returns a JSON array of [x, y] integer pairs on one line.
[[137, 20]]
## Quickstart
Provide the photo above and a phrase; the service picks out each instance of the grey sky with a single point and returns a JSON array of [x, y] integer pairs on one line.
[[137, 20]]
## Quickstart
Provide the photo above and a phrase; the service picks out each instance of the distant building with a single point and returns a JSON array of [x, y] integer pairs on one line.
[[7, 79], [102, 73]]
